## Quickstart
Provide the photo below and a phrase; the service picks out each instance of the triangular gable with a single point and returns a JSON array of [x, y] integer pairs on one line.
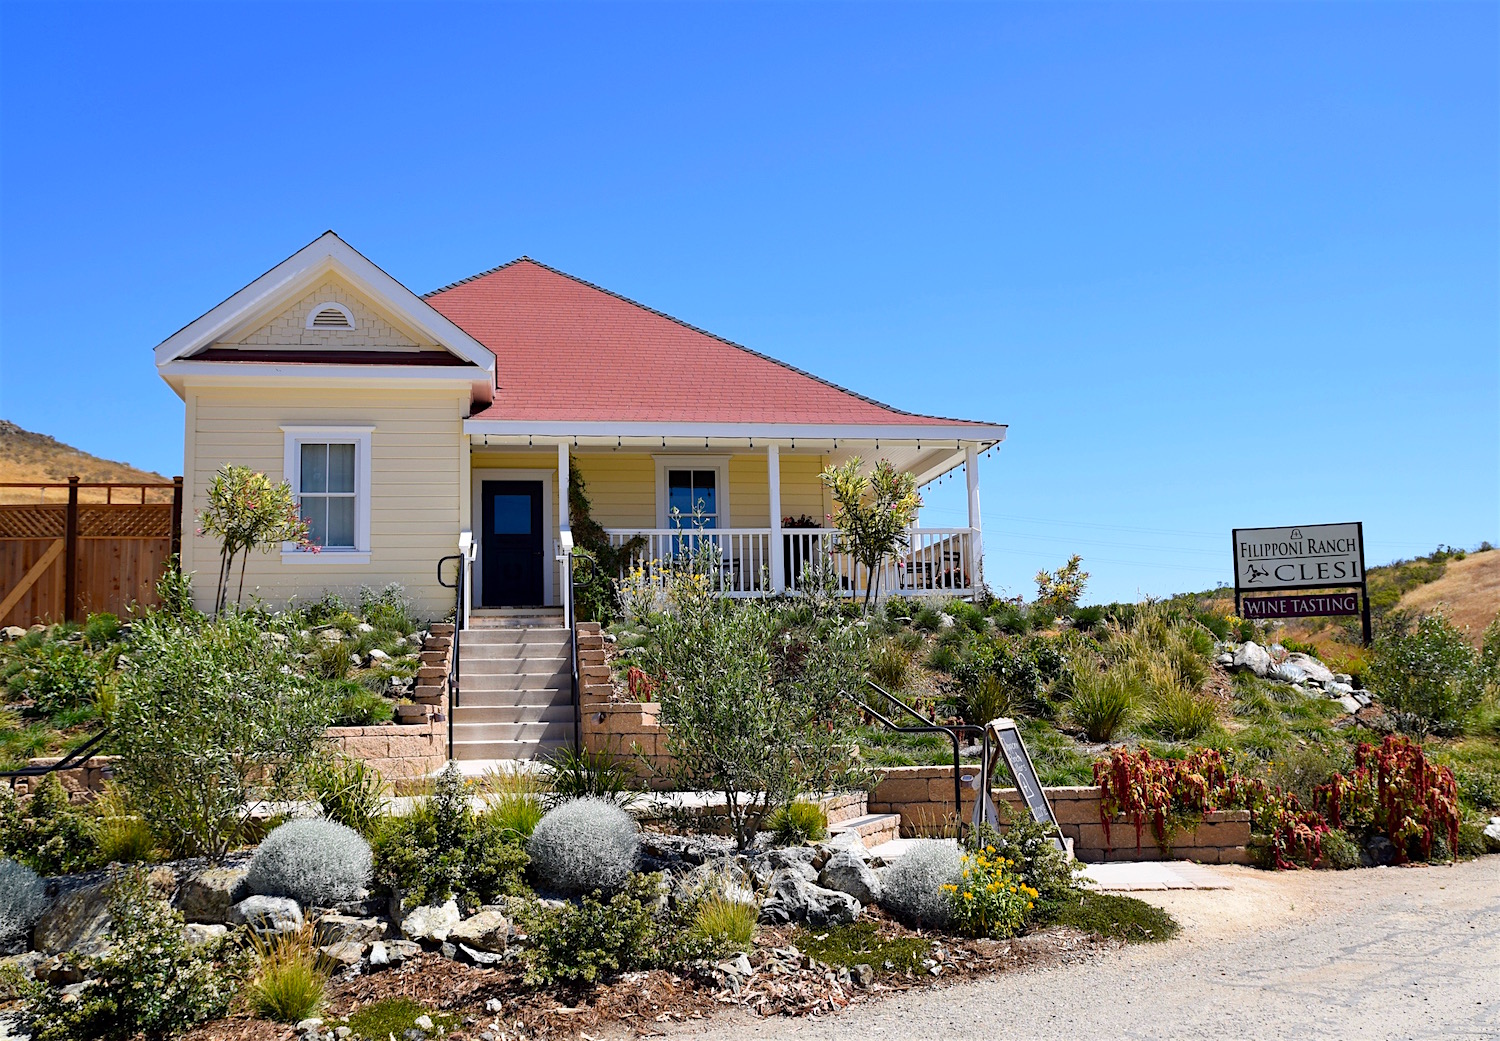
[[279, 298]]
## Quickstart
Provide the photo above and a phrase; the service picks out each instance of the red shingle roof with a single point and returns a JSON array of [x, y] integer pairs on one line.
[[566, 349]]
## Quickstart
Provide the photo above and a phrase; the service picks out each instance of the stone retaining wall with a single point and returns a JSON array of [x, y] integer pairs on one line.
[[923, 795], [629, 729], [400, 753]]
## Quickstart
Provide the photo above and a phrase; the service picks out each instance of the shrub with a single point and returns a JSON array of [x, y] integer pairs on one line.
[[1395, 789], [593, 939], [1180, 715], [798, 822], [1428, 678], [1340, 852], [989, 899], [360, 707], [247, 511], [151, 982], [912, 888], [584, 845], [942, 658], [1011, 618], [755, 708], [890, 663], [390, 608], [289, 977], [56, 676], [1060, 590], [101, 630], [1103, 700], [208, 718], [348, 791], [591, 775], [995, 678], [315, 862], [23, 899], [50, 835], [721, 925], [442, 849], [873, 511], [1033, 854], [929, 618], [1470, 840], [124, 836]]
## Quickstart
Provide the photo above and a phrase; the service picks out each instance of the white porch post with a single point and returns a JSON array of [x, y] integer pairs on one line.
[[778, 551], [564, 533], [976, 541]]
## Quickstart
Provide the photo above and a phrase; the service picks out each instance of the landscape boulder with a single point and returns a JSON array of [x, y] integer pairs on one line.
[[1253, 656], [793, 898], [847, 872], [345, 952], [78, 921], [195, 933], [486, 931], [431, 923], [267, 914], [209, 896], [341, 928], [1492, 835], [798, 859]]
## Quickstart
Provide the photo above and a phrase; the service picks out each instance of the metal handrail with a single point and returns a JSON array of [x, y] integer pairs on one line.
[[952, 730], [78, 756], [573, 656], [460, 621]]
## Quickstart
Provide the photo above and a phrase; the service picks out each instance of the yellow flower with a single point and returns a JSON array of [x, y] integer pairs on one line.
[[968, 896]]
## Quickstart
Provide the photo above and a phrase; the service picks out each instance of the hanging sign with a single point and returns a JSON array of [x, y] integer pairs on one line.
[[1308, 557]]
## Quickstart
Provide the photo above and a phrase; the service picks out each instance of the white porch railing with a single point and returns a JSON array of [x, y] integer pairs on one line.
[[938, 560]]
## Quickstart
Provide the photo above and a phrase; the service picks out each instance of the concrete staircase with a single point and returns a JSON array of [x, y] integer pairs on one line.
[[515, 686]]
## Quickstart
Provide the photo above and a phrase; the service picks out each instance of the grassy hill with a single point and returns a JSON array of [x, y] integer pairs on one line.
[[32, 457], [1468, 591]]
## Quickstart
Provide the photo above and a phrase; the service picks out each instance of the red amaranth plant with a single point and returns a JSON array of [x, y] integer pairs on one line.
[[642, 686], [1394, 788], [1161, 792]]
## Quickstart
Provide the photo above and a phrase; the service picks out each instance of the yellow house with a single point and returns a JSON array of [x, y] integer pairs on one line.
[[415, 428]]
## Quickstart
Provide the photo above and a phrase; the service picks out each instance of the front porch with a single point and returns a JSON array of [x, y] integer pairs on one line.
[[760, 504]]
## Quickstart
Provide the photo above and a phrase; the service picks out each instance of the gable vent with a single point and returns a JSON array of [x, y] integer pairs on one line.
[[330, 316]]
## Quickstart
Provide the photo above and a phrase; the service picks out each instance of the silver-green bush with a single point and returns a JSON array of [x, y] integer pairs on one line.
[[912, 887], [584, 845], [23, 898], [315, 862]]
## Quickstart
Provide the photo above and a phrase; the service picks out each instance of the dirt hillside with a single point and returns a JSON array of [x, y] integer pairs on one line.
[[27, 456], [1469, 592]]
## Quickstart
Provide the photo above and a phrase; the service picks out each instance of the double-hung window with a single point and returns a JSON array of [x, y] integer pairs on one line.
[[692, 498], [329, 468]]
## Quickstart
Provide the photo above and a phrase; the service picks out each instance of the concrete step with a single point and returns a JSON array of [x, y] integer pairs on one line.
[[510, 750], [514, 652], [538, 730], [531, 635], [873, 829], [536, 666], [486, 618], [516, 681], [533, 724], [504, 699]]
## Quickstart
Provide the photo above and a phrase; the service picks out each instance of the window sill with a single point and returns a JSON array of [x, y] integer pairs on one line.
[[327, 556]]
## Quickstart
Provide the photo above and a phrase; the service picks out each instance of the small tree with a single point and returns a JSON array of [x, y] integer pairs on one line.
[[246, 511], [1427, 677], [873, 513], [211, 719], [1060, 590], [754, 709]]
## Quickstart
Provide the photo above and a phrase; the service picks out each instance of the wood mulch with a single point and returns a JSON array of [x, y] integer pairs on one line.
[[641, 1004]]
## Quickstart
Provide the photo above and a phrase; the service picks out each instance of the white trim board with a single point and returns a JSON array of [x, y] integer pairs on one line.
[[477, 477], [933, 432], [717, 463]]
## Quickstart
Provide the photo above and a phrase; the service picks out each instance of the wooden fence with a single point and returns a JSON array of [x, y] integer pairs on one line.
[[70, 550]]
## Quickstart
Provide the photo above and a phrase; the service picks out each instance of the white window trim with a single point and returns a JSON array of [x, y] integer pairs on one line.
[[359, 437], [719, 463], [328, 305], [548, 479]]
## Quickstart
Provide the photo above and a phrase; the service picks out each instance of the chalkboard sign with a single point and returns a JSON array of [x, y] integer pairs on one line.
[[1008, 743]]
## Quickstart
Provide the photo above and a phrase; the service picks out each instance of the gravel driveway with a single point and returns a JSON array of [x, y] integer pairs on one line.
[[1382, 953]]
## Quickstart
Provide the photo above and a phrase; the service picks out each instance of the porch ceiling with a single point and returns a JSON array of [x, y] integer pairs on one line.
[[927, 458]]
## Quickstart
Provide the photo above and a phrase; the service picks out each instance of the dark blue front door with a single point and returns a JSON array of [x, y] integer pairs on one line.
[[511, 544]]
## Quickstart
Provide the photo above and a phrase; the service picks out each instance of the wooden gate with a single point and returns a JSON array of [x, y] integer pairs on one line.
[[71, 550]]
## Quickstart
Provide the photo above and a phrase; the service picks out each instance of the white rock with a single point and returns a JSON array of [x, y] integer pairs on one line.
[[1254, 657], [379, 956], [195, 933], [1311, 667], [1337, 688], [1350, 705], [331, 636], [431, 922], [423, 1022], [364, 627], [1492, 835], [493, 1005], [378, 655], [308, 1025]]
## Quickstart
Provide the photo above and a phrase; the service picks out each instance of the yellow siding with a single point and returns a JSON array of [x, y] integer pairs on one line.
[[621, 488], [414, 484]]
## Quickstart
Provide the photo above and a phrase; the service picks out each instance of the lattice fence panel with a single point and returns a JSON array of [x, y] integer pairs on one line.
[[130, 521], [38, 522]]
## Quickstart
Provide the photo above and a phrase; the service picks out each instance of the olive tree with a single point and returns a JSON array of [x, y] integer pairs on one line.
[[1427, 676], [209, 721], [873, 513], [753, 699]]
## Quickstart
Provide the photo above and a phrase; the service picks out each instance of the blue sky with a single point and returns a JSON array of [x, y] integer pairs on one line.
[[1216, 265]]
